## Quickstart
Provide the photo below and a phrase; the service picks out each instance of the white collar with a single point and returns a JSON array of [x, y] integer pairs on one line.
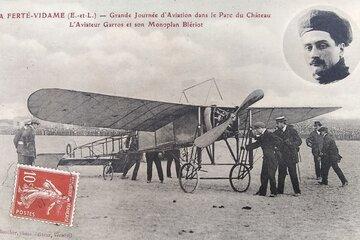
[[284, 128]]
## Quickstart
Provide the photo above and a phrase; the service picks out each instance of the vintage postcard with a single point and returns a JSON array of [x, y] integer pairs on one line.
[[179, 119]]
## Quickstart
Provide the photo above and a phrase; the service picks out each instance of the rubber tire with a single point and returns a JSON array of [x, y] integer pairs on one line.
[[232, 171], [196, 176], [108, 170]]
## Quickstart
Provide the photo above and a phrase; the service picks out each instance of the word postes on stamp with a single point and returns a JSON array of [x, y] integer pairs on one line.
[[44, 194]]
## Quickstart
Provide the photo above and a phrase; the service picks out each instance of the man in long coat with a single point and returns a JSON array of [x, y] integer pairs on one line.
[[289, 148], [315, 142], [329, 158], [24, 142]]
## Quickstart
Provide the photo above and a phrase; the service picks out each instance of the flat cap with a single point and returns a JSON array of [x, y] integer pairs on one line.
[[323, 129], [259, 125], [280, 119], [327, 21], [317, 123], [32, 121]]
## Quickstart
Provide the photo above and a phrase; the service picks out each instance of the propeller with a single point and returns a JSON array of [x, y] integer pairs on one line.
[[210, 136]]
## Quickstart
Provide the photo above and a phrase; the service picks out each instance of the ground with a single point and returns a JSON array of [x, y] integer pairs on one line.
[[125, 209]]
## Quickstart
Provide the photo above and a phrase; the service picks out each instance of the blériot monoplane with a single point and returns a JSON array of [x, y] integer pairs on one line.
[[161, 126]]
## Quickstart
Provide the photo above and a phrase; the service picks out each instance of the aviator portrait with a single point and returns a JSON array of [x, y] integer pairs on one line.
[[324, 38]]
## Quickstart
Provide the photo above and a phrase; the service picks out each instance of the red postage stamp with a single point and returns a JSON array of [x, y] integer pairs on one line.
[[43, 194]]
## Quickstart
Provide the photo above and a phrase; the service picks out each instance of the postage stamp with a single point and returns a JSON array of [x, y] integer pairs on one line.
[[44, 194]]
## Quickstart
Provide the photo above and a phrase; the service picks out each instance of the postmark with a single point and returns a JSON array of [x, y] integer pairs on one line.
[[44, 194]]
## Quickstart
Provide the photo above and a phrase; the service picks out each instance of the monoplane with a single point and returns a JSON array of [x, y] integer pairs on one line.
[[161, 126]]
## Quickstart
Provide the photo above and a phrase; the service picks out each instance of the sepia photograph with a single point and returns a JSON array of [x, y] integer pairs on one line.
[[179, 120]]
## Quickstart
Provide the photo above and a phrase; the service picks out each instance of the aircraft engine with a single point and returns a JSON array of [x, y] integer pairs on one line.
[[214, 116]]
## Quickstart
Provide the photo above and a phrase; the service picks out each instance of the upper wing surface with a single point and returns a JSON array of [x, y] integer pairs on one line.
[[99, 110]]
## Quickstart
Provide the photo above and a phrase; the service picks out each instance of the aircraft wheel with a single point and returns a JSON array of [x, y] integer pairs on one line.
[[240, 177], [108, 171], [188, 178]]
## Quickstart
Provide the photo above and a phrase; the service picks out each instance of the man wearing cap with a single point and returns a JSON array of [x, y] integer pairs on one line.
[[24, 142], [268, 143], [324, 36], [315, 142], [329, 158], [289, 148]]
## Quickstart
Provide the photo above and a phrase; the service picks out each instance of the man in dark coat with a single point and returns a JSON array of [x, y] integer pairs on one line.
[[268, 142], [156, 158], [315, 142], [329, 158], [133, 157], [289, 148], [24, 142]]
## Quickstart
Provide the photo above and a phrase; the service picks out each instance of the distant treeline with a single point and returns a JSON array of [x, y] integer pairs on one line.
[[66, 131], [340, 129]]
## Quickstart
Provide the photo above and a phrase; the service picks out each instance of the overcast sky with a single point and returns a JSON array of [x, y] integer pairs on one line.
[[241, 54]]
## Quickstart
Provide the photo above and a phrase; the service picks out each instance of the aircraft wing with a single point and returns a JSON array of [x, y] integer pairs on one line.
[[292, 114], [99, 110]]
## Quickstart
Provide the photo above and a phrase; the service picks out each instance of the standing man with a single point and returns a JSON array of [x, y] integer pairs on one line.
[[24, 142], [324, 35], [329, 158], [289, 148], [132, 155], [170, 156], [268, 142], [154, 157], [315, 142]]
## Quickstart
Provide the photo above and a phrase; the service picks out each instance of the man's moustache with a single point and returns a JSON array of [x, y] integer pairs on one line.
[[317, 62]]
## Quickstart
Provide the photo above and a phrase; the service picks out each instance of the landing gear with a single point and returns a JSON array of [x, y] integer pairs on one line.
[[240, 177], [108, 171], [189, 177]]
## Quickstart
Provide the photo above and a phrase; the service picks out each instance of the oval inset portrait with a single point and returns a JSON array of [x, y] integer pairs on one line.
[[320, 45]]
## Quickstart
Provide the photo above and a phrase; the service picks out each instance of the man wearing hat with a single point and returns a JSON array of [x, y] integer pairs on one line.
[[315, 142], [324, 36], [268, 143], [24, 142], [289, 148], [329, 158]]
